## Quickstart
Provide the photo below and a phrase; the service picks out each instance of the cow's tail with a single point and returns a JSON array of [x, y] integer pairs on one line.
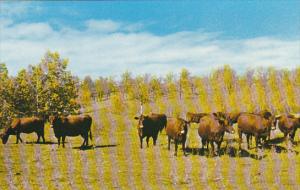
[[164, 124]]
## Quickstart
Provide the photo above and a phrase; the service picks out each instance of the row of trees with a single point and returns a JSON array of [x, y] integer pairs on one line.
[[267, 88], [44, 89]]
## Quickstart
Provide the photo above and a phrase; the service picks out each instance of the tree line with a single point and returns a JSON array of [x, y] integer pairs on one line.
[[49, 87]]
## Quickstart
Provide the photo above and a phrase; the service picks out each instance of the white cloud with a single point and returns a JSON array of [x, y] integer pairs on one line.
[[106, 48], [17, 9]]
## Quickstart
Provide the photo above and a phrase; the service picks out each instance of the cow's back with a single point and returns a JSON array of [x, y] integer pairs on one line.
[[27, 124], [251, 123], [75, 125], [159, 119]]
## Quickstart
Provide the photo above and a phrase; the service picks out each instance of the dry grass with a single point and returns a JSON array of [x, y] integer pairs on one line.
[[32, 166]]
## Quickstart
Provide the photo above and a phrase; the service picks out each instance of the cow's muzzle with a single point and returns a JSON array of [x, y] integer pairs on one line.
[[51, 126]]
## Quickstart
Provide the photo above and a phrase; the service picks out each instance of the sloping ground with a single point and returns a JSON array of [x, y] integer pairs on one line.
[[116, 161]]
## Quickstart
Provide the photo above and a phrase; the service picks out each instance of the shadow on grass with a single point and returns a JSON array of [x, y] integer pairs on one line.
[[41, 143], [231, 152], [90, 147], [276, 140]]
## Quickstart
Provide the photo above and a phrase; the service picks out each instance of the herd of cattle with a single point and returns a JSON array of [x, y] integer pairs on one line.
[[211, 127]]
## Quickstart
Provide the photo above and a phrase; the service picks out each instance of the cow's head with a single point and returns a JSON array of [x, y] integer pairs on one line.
[[141, 119], [53, 120], [4, 136], [224, 122], [184, 125]]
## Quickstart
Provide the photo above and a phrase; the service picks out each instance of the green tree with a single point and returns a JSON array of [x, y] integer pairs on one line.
[[24, 94], [126, 83], [140, 91], [183, 83], [61, 88], [6, 94], [155, 87]]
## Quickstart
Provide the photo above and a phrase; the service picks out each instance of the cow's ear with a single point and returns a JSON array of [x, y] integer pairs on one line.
[[136, 118]]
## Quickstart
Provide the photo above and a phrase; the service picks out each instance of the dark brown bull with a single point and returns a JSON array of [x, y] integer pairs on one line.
[[257, 125], [71, 126], [211, 130], [24, 125], [288, 124], [177, 129], [194, 117], [149, 126]]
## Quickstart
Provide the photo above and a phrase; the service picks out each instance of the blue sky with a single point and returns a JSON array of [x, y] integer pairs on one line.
[[159, 36]]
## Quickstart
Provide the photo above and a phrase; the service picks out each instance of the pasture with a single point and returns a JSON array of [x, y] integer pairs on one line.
[[116, 161]]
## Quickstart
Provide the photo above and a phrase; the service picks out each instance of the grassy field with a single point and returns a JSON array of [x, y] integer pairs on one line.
[[116, 162]]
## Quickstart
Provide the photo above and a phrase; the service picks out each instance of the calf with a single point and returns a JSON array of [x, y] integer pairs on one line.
[[149, 126], [211, 130], [24, 125], [71, 126], [177, 129]]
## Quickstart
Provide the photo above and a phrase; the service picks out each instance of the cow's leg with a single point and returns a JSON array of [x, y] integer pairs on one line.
[[256, 141], [41, 133], [84, 141], [183, 147], [19, 138], [219, 147], [240, 139], [141, 141], [293, 133], [285, 138], [154, 139], [147, 140], [58, 140], [212, 148], [203, 144], [87, 139], [38, 140], [248, 141], [43, 138], [169, 142], [63, 141], [176, 147]]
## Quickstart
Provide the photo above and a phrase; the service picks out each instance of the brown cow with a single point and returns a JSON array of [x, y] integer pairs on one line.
[[267, 115], [212, 128], [288, 124], [149, 126], [24, 125], [194, 117], [258, 125], [71, 126], [177, 129]]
